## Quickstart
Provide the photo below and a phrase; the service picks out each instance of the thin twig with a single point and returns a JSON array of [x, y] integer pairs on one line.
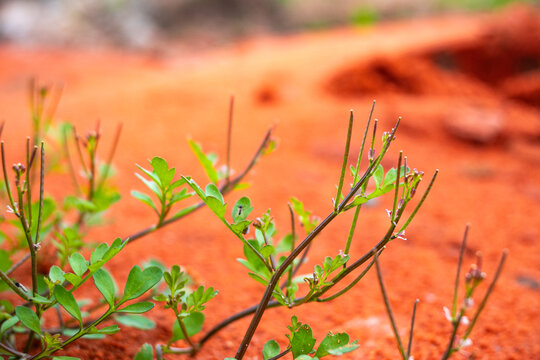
[[345, 162], [388, 307], [411, 332], [460, 261]]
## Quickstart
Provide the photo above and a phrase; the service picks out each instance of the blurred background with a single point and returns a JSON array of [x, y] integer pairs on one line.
[[150, 25]]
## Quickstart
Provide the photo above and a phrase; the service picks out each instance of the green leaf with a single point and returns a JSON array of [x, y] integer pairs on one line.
[[390, 177], [139, 282], [144, 198], [302, 341], [56, 275], [240, 228], [8, 324], [378, 175], [68, 302], [98, 253], [267, 250], [193, 323], [204, 160], [93, 336], [105, 285], [136, 321], [270, 349], [137, 308], [78, 264], [108, 330], [28, 318], [161, 169], [335, 344], [145, 353], [241, 209], [73, 279], [82, 205], [306, 357], [212, 190]]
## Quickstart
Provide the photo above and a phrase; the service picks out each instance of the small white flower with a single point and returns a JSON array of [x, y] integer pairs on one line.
[[469, 302], [447, 314], [9, 210], [465, 342], [464, 320], [401, 235]]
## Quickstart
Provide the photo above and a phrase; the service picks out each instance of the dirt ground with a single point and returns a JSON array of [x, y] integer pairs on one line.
[[468, 89]]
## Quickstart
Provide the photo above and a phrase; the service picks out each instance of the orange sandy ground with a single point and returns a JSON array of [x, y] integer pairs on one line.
[[306, 84]]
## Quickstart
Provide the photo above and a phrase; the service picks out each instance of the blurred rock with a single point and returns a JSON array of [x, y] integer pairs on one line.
[[474, 124]]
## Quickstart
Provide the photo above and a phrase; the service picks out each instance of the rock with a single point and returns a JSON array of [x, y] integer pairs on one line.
[[476, 125]]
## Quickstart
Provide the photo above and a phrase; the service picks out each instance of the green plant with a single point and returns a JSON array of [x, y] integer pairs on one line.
[[457, 316], [273, 260]]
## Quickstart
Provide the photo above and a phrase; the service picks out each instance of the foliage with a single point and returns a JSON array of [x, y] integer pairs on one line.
[[272, 258]]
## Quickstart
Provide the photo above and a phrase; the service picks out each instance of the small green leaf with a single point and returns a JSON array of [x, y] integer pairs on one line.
[[68, 302], [212, 190], [161, 169], [105, 285], [205, 161], [8, 324], [98, 253], [144, 198], [145, 353], [306, 357], [56, 275], [78, 264], [108, 330], [267, 250], [137, 308], [136, 321], [139, 282], [28, 318], [335, 344], [378, 175], [270, 349], [73, 279], [302, 341], [241, 209], [193, 323]]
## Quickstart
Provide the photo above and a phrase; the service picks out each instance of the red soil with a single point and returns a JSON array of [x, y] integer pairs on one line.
[[468, 91]]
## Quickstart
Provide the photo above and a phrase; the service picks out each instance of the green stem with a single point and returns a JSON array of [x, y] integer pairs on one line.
[[488, 293], [411, 332], [460, 261], [13, 287], [345, 162], [351, 231], [388, 307], [359, 160]]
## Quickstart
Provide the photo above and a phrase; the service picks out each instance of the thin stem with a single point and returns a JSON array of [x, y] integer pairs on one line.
[[450, 347], [272, 259], [18, 263], [488, 293], [28, 183], [6, 180], [185, 333], [41, 192], [421, 202], [13, 286], [388, 307], [110, 158], [359, 160], [71, 168], [12, 351], [411, 332], [351, 231], [229, 140], [460, 261], [293, 243], [345, 162], [396, 194]]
